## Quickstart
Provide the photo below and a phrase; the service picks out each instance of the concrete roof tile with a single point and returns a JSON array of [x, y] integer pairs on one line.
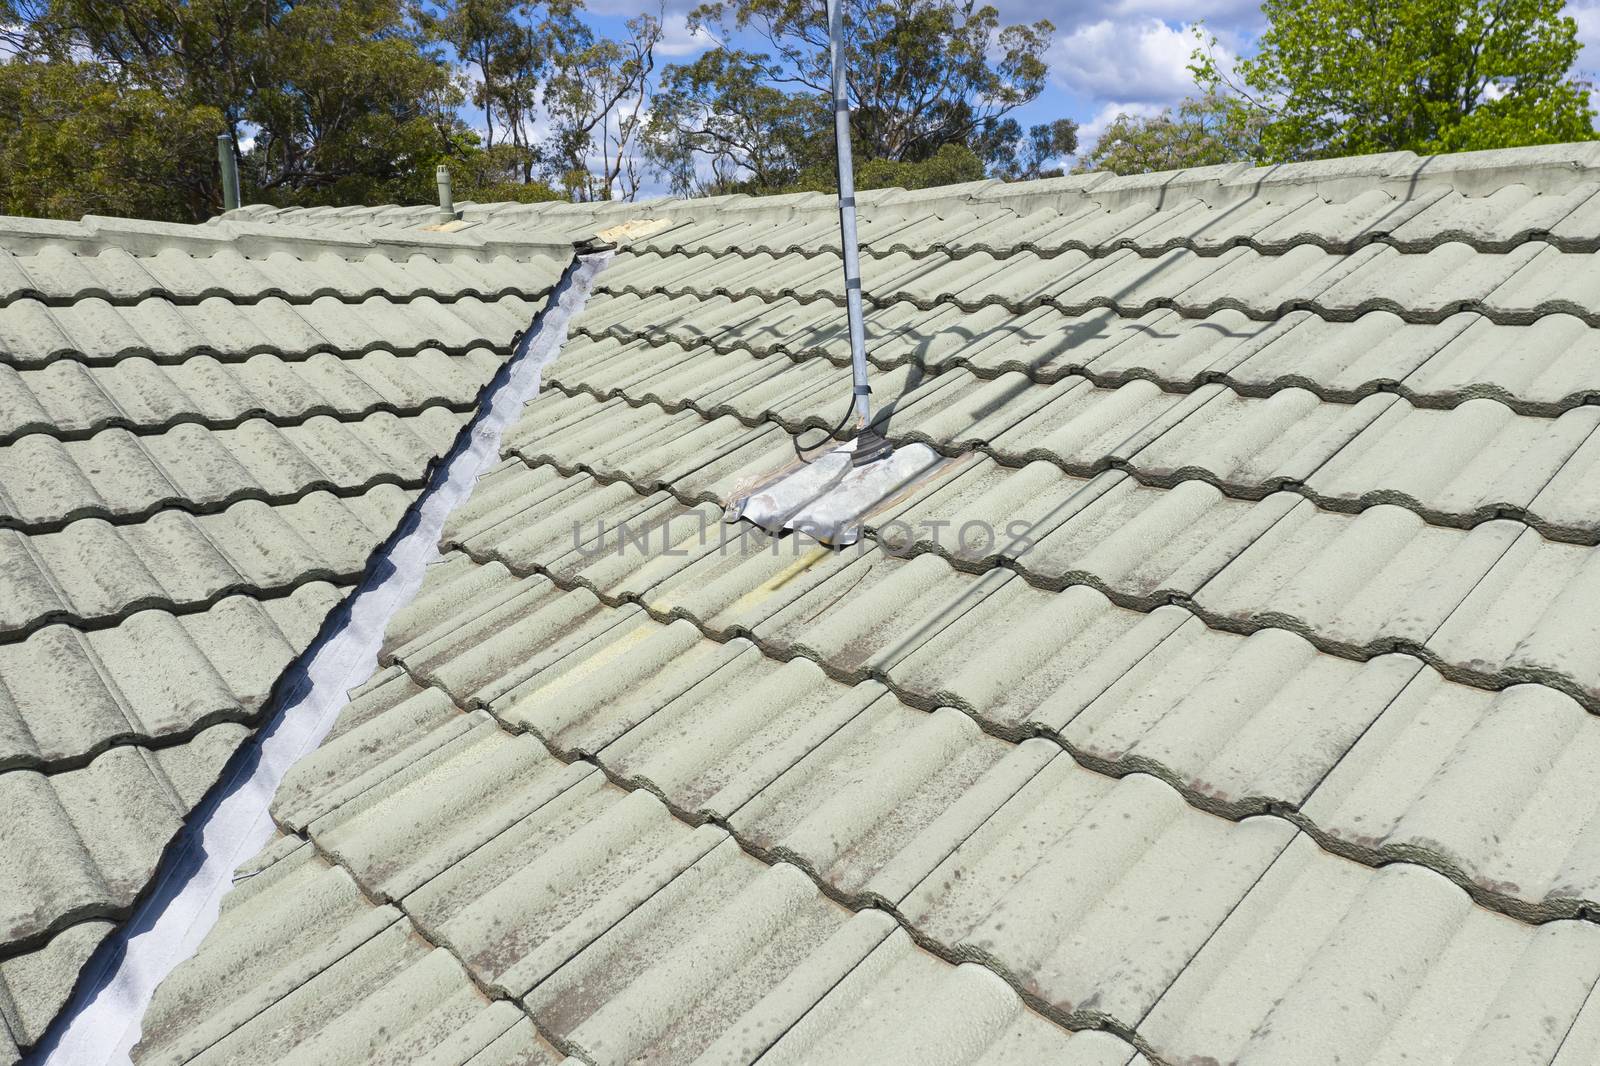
[[1507, 215], [1052, 887], [1255, 444], [624, 676], [1576, 229], [116, 474], [1188, 383], [87, 840], [1478, 459], [519, 908], [1338, 223], [874, 807], [869, 616], [1402, 957], [1085, 427], [69, 693], [1056, 644], [510, 635], [1543, 366], [535, 506], [735, 589], [1568, 501], [435, 805], [1148, 544], [33, 987], [1244, 279], [1531, 618], [392, 995], [709, 748], [902, 1006], [1349, 358], [1582, 1041], [449, 583], [387, 715], [1432, 284], [1494, 788], [715, 944], [315, 915], [1238, 723], [92, 571], [1360, 584]]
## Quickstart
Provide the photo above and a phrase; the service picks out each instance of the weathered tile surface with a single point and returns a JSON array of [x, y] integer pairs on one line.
[[1232, 700], [204, 433]]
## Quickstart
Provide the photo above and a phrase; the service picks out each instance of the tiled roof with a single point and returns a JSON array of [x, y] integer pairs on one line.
[[1234, 701], [204, 432]]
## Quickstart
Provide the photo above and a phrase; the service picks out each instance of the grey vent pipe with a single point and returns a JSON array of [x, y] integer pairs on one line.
[[447, 200], [230, 172], [847, 214]]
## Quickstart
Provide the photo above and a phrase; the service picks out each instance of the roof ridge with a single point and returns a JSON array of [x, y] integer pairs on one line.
[[1545, 168]]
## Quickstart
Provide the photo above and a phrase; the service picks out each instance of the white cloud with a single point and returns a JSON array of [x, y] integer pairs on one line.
[[1143, 60], [677, 39], [1588, 20], [1071, 15]]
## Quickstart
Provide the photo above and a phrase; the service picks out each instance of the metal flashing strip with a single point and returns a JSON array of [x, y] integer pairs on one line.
[[102, 1021]]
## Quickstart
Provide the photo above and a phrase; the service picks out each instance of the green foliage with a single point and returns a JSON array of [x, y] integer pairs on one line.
[[328, 102], [1202, 131], [725, 113], [1016, 158], [1349, 77], [924, 74], [73, 142], [515, 45], [491, 175], [114, 107], [951, 164], [596, 97], [348, 109]]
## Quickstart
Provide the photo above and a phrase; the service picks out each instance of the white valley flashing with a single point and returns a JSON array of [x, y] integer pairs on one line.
[[102, 1021]]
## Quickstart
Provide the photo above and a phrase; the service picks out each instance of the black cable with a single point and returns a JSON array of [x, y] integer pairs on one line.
[[800, 450]]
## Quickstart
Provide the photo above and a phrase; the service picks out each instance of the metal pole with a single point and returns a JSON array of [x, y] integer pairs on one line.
[[230, 172], [447, 201], [847, 214]]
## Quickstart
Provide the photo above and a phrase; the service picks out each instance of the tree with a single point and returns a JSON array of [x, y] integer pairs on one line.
[[494, 174], [923, 74], [596, 99], [1348, 77], [720, 124], [1016, 158], [73, 142], [482, 32], [326, 101], [1203, 131], [512, 43], [347, 107], [950, 165]]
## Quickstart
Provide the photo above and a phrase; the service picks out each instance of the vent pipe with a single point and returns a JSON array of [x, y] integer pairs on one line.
[[230, 172], [447, 200]]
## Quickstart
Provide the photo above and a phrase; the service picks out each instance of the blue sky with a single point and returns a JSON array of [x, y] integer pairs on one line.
[[1109, 56]]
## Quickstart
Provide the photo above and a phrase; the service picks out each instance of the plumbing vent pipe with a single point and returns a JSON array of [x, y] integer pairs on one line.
[[447, 200], [230, 172]]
